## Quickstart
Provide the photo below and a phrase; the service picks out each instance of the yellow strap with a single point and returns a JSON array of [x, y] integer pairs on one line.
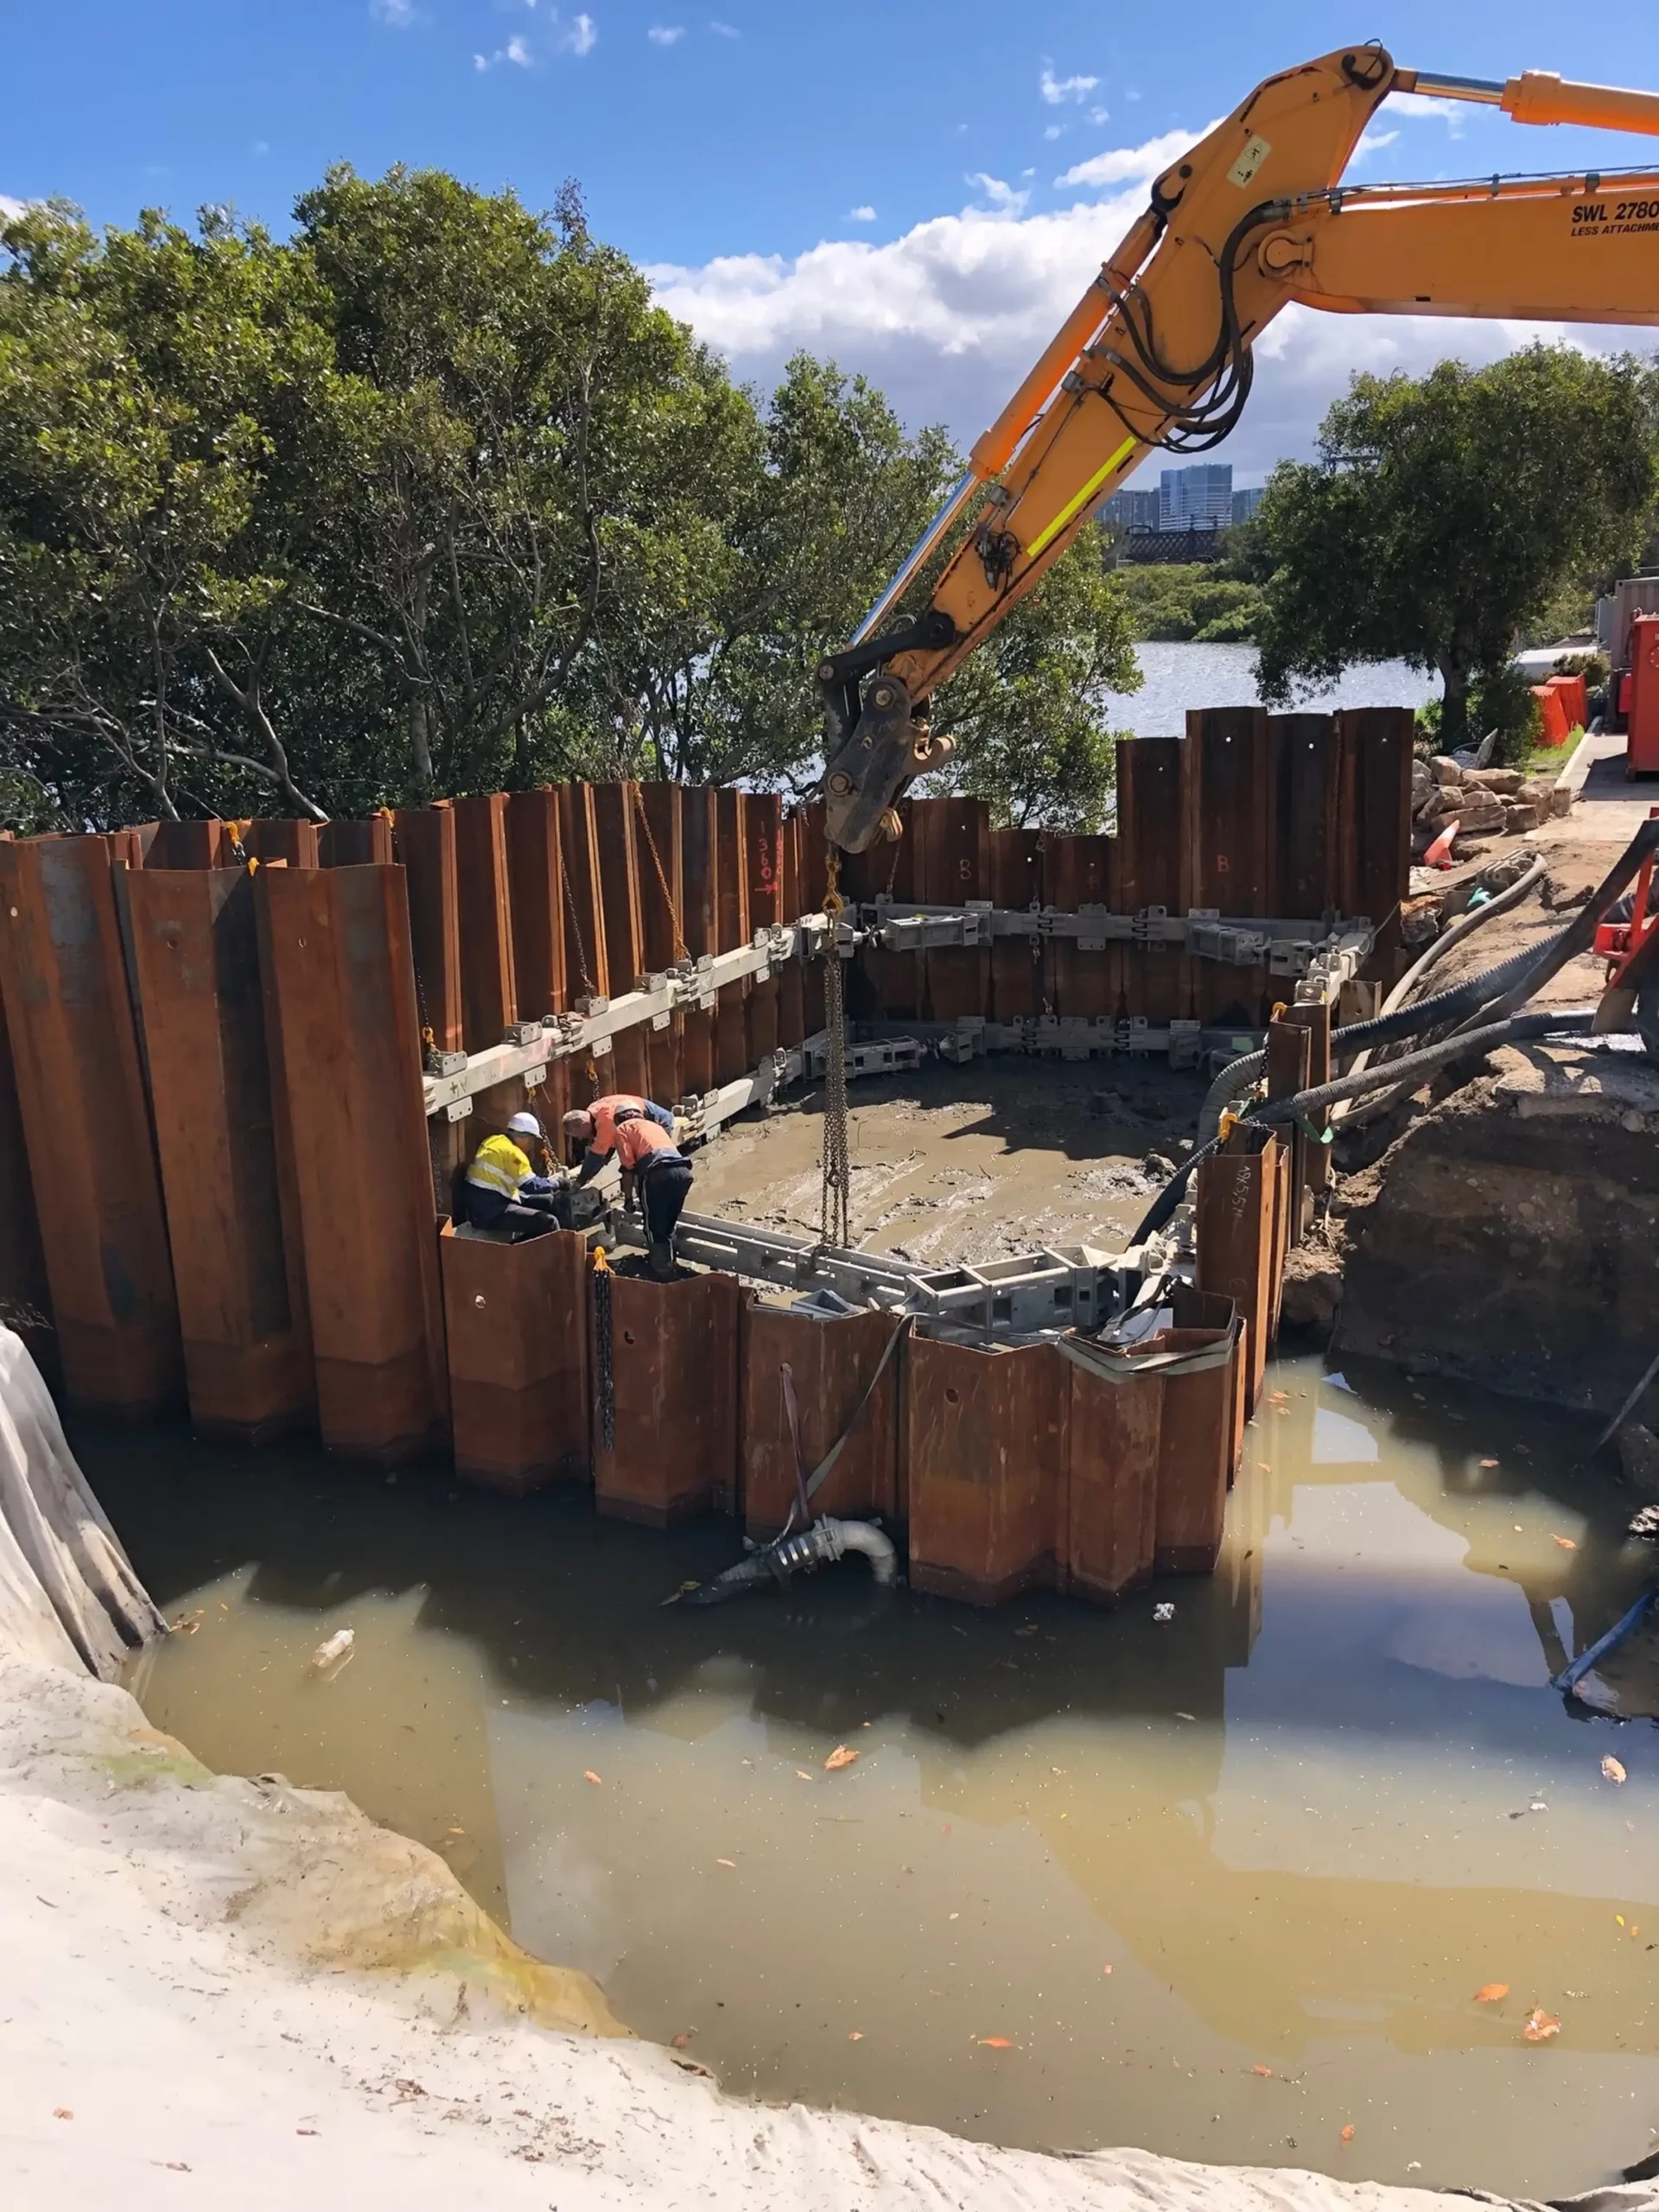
[[1073, 508]]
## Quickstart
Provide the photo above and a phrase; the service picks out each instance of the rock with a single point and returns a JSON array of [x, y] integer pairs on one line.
[[1519, 816], [1444, 770], [1638, 1456], [1312, 1288], [1422, 782], [1156, 1166], [1560, 804], [1504, 781], [1481, 815], [1540, 790]]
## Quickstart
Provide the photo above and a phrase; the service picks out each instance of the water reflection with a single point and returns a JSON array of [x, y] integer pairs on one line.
[[1178, 679], [1294, 1821]]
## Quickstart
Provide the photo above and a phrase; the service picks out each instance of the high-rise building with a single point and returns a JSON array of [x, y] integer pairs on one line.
[[1195, 499], [1246, 503], [1131, 511]]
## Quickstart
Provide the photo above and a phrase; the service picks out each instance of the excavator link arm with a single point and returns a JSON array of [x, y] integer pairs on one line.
[[1157, 353]]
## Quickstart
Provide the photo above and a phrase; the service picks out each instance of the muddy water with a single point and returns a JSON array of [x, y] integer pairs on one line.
[[951, 1164], [1225, 1886]]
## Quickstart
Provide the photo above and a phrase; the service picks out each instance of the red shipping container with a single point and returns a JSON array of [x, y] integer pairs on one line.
[[1641, 698]]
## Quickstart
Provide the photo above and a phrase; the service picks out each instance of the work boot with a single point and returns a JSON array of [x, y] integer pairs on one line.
[[661, 1260]]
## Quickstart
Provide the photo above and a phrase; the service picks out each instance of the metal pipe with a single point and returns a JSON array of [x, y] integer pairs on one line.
[[1430, 84], [875, 1543], [954, 501]]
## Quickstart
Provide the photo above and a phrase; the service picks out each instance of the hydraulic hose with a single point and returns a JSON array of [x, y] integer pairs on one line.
[[1173, 1191]]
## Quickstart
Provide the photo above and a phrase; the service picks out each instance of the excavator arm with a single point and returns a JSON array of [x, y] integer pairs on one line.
[[1157, 353]]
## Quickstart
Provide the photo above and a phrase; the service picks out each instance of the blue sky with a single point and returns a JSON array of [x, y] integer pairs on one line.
[[920, 188]]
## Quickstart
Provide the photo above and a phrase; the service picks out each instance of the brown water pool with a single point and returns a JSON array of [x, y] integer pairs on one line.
[[1225, 1887]]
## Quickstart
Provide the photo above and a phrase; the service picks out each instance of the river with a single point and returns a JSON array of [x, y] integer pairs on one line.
[[1179, 678]]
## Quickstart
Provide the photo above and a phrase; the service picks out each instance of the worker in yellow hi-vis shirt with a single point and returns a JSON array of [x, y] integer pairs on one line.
[[504, 1192]]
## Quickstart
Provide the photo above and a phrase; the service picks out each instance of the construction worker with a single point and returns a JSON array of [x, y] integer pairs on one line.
[[504, 1191], [639, 1133]]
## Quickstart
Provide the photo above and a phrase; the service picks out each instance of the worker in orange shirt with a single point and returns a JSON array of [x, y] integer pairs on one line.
[[639, 1133]]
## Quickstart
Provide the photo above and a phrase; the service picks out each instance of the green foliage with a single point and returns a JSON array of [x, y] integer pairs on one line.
[[1502, 699], [1444, 513], [428, 497], [1028, 711], [1183, 603]]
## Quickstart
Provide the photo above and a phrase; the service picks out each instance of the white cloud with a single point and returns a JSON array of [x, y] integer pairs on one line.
[[866, 215], [515, 51], [1105, 114], [10, 207], [396, 15], [1055, 90], [1005, 199], [724, 30], [666, 33], [579, 36], [1420, 107], [1055, 130], [1134, 164], [1373, 141], [948, 317]]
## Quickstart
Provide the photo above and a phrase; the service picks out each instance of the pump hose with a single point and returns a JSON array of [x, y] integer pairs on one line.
[[1513, 1029], [1467, 997], [1406, 988], [1498, 991], [1517, 1029]]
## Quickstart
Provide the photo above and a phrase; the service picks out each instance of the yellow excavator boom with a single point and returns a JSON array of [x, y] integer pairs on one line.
[[1157, 353]]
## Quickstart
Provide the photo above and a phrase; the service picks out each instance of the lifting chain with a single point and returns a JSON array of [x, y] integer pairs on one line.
[[604, 1370], [835, 1225], [587, 984], [680, 953]]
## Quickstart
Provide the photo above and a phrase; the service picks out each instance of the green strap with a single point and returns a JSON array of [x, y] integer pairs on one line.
[[815, 1479]]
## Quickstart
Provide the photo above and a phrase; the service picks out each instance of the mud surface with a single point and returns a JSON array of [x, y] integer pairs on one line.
[[1302, 1822], [961, 1164]]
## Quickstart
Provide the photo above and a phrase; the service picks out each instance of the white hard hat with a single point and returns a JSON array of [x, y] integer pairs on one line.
[[523, 1125]]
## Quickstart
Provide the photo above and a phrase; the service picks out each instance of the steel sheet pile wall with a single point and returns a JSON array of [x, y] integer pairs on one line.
[[217, 1175], [247, 1348], [1010, 1468], [81, 1092]]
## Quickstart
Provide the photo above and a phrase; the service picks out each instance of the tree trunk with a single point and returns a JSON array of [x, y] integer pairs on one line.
[[419, 743], [1454, 714]]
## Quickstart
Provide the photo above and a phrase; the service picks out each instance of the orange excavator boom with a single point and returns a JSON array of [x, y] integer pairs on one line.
[[1157, 355]]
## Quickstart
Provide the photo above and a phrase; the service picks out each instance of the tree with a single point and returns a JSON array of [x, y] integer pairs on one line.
[[530, 470], [1443, 512], [136, 382], [838, 491], [1189, 602], [1028, 711]]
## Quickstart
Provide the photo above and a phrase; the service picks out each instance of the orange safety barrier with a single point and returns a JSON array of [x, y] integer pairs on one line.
[[1554, 708], [1575, 694]]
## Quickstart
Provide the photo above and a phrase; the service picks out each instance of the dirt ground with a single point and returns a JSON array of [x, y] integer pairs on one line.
[[952, 1165], [1578, 859]]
